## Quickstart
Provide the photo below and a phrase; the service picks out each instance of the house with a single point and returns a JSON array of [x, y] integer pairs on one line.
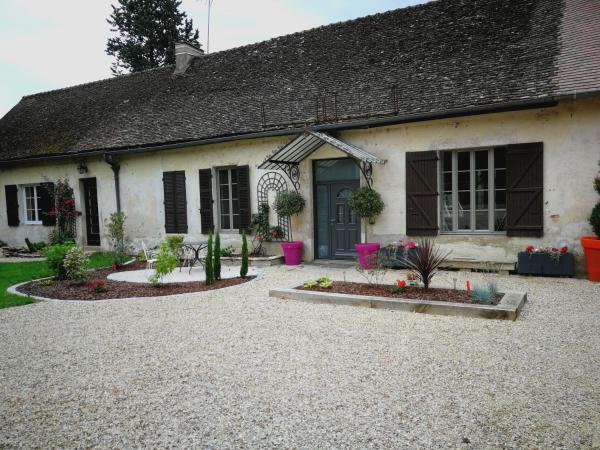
[[478, 121]]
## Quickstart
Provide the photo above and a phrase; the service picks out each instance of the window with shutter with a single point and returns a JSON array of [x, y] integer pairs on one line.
[[12, 205], [233, 188], [525, 190], [421, 194], [207, 223], [175, 202]]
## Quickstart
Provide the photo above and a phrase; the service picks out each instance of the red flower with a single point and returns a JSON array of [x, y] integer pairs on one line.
[[530, 248], [564, 249], [401, 283], [69, 201], [554, 250]]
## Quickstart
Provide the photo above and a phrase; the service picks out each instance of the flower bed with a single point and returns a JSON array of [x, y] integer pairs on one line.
[[98, 287], [407, 292]]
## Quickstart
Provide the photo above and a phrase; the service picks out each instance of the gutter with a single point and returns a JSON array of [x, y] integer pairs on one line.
[[356, 124]]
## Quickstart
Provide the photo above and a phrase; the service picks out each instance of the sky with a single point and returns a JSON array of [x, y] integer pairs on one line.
[[49, 44]]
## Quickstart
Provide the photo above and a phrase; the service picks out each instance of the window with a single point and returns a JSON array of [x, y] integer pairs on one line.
[[473, 190], [33, 209], [229, 200]]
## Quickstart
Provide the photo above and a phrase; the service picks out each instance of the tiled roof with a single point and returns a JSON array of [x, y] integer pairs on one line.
[[441, 56]]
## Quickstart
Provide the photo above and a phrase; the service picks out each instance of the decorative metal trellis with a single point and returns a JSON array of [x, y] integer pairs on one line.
[[273, 181]]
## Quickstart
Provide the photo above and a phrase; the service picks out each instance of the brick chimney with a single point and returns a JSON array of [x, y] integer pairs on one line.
[[184, 55]]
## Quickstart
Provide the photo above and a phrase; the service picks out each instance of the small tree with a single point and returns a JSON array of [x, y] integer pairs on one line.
[[146, 33], [244, 268], [166, 262], [208, 262], [217, 256], [288, 204], [116, 229], [55, 257], [367, 204]]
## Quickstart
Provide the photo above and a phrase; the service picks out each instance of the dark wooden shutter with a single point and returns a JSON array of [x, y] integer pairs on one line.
[[421, 194], [244, 193], [12, 205], [525, 190], [207, 223], [175, 202], [46, 195]]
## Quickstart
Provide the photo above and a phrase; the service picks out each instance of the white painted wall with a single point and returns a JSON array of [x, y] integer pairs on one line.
[[570, 132]]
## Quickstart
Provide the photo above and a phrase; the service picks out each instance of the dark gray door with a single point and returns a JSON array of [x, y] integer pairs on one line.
[[344, 224], [92, 222]]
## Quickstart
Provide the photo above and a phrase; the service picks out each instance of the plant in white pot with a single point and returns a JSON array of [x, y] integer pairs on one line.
[[591, 244], [288, 204], [367, 204]]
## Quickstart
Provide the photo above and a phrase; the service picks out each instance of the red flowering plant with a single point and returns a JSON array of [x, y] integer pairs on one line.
[[399, 287], [553, 252], [97, 286], [64, 212]]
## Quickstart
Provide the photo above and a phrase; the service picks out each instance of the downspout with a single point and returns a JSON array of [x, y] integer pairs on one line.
[[111, 160]]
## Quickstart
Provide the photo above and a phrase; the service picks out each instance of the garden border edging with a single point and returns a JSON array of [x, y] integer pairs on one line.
[[13, 290], [508, 309]]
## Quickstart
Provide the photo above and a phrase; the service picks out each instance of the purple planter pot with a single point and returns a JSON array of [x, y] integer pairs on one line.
[[292, 252], [364, 254]]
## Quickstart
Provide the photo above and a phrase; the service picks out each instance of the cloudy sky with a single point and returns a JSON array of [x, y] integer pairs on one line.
[[48, 44]]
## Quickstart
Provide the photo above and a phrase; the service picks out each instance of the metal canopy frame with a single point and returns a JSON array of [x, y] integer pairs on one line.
[[288, 158]]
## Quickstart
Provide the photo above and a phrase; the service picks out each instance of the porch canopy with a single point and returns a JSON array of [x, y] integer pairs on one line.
[[293, 153]]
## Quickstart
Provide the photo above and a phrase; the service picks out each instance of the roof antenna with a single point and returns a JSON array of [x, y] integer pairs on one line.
[[208, 27]]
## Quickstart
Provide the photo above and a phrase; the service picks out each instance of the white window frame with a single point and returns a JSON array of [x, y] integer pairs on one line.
[[231, 214], [37, 210], [473, 200]]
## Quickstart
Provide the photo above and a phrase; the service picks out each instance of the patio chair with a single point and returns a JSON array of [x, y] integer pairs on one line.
[[150, 259]]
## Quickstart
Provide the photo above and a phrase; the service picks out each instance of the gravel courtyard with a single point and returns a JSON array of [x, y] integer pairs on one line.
[[233, 368]]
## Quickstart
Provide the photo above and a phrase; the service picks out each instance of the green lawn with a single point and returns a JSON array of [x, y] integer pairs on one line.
[[13, 273]]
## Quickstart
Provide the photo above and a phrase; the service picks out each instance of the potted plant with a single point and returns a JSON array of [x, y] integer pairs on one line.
[[367, 204], [591, 244], [288, 204], [545, 261]]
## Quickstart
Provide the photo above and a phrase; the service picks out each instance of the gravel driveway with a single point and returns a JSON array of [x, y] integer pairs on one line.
[[232, 369]]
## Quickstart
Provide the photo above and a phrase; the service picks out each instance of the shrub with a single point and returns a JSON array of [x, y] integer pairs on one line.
[[175, 243], [399, 287], [217, 256], [166, 262], [425, 261], [116, 230], [288, 204], [38, 246], [324, 282], [208, 262], [309, 284], [366, 203], [227, 252], [55, 255], [75, 264], [244, 268], [377, 268]]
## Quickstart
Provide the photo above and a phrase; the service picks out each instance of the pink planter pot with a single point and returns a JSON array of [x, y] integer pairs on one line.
[[292, 252], [364, 252]]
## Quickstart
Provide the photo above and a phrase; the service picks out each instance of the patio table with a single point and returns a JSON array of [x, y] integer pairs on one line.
[[196, 247]]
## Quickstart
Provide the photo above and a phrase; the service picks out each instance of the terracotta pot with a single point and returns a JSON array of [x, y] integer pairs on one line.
[[591, 249], [364, 254], [292, 252]]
